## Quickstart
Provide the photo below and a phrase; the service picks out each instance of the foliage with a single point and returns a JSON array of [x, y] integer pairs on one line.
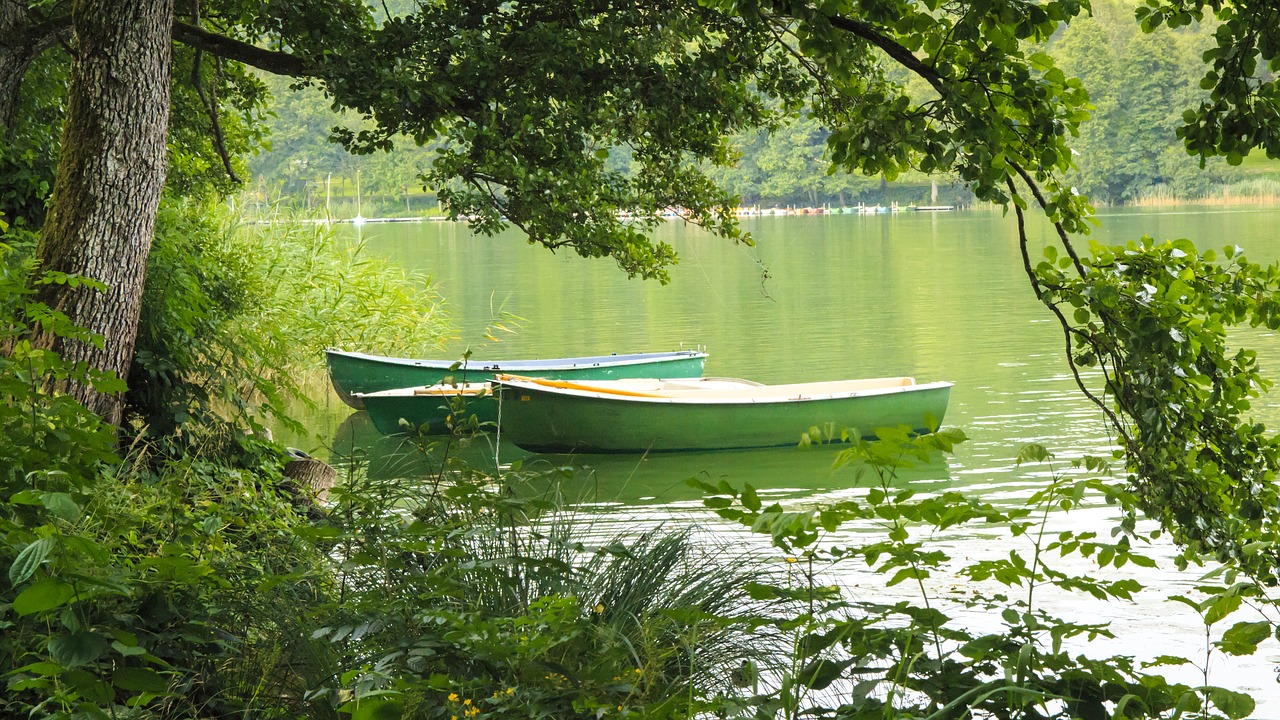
[[127, 588], [1001, 115], [1243, 106], [322, 290], [216, 120], [464, 599], [1154, 318], [865, 657], [477, 77], [234, 317], [1137, 85], [300, 158], [29, 149], [181, 580]]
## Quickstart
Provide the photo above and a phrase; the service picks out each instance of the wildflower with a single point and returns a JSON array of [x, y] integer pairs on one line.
[[467, 701], [511, 691], [639, 671], [599, 608], [453, 697], [791, 559]]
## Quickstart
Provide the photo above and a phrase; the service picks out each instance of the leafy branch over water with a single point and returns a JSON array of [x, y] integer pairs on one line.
[[1153, 317], [870, 657]]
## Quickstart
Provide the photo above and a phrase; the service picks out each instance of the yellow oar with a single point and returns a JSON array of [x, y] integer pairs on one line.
[[566, 385]]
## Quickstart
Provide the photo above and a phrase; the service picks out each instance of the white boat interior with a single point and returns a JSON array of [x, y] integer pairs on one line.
[[444, 389], [724, 389]]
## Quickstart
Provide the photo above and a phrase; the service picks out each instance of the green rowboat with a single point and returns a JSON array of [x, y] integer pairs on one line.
[[427, 409], [711, 414], [353, 373]]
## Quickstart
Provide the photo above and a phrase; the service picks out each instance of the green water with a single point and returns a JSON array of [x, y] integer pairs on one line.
[[938, 297], [934, 296]]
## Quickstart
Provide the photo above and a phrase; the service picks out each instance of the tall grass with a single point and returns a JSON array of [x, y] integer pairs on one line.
[[502, 597], [1253, 191], [236, 315], [321, 290]]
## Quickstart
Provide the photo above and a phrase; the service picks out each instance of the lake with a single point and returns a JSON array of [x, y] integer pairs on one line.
[[935, 296]]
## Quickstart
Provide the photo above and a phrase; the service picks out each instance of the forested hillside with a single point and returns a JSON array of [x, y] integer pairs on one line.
[[1128, 153]]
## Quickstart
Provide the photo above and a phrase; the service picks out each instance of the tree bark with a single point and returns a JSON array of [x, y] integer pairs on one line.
[[110, 177]]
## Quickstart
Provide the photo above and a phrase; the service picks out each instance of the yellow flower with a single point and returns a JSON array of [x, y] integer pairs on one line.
[[453, 717], [511, 691], [639, 671], [599, 607], [791, 559], [467, 701], [453, 697]]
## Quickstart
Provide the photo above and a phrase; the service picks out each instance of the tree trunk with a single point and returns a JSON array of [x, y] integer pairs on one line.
[[110, 176]]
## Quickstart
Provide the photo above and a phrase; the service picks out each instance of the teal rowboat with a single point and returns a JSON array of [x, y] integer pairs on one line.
[[713, 414], [353, 373]]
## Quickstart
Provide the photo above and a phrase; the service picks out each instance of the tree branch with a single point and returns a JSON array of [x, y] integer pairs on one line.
[[278, 63], [1062, 320], [904, 56]]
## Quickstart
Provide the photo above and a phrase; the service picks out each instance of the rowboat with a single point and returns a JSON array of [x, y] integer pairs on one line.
[[644, 415], [353, 373], [428, 409]]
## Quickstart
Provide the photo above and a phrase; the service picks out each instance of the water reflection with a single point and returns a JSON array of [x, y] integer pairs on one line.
[[356, 443], [781, 474], [616, 480]]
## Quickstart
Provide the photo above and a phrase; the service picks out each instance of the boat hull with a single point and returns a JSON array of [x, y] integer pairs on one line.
[[352, 373], [552, 422], [428, 414]]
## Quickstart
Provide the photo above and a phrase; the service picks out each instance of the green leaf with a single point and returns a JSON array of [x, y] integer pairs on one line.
[[1243, 637], [821, 673], [749, 499], [30, 558], [61, 505], [141, 680], [1033, 452], [1222, 607], [1234, 704], [78, 648], [45, 594], [25, 497]]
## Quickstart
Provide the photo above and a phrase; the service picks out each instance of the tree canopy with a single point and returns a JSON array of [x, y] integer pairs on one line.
[[528, 101]]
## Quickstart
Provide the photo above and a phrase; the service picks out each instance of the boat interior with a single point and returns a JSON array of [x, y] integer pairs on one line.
[[448, 389], [708, 388]]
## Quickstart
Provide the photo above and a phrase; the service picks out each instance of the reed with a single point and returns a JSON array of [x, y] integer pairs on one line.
[[1253, 191]]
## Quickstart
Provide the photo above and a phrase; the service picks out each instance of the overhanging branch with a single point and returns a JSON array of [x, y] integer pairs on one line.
[[891, 48], [278, 63]]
